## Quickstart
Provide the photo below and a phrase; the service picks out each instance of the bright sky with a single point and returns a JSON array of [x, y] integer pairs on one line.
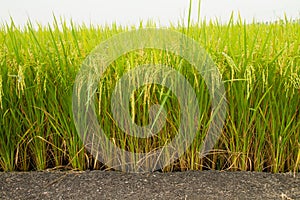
[[130, 12]]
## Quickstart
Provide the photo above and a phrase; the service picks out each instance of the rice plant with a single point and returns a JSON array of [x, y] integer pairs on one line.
[[260, 67]]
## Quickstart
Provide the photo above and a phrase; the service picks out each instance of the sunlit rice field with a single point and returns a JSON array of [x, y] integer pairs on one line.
[[259, 64]]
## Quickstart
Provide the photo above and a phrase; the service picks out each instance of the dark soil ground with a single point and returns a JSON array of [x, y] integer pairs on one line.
[[176, 185]]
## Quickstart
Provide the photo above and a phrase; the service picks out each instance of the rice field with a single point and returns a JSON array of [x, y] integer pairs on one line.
[[260, 68]]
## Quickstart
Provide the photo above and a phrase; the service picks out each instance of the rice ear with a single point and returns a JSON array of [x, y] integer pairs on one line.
[[1, 92]]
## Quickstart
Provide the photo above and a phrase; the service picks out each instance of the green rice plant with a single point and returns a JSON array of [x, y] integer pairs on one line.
[[259, 64]]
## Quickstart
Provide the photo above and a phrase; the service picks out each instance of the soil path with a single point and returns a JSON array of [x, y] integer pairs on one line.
[[176, 185]]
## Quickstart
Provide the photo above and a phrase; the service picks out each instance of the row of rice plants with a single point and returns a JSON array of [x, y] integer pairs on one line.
[[260, 67]]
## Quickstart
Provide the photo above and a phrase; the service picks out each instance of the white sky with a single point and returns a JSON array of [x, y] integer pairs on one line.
[[130, 12]]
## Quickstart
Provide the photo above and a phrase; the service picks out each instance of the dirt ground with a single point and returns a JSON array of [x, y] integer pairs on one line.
[[175, 185]]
